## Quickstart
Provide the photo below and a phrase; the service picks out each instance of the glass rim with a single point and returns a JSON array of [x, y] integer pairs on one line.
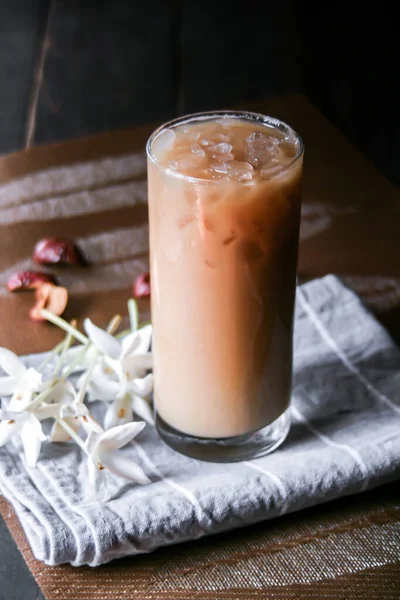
[[215, 114]]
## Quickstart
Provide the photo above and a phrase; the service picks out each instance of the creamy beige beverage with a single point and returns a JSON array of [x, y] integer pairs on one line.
[[224, 206]]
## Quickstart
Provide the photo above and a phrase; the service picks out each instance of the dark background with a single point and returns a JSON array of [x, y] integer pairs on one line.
[[70, 68], [73, 67]]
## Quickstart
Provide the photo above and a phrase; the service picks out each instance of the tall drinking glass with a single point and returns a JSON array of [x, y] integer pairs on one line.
[[224, 212]]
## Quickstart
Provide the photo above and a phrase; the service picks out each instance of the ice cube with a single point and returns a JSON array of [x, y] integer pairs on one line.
[[223, 157], [190, 133], [173, 164], [227, 122], [220, 167], [279, 155], [164, 142], [221, 148], [222, 137], [241, 171], [197, 150], [205, 142], [260, 148], [190, 161]]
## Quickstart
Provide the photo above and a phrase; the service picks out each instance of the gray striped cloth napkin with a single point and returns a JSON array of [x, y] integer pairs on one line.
[[344, 439]]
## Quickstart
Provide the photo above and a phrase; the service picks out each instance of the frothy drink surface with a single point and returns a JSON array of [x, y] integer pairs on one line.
[[224, 205]]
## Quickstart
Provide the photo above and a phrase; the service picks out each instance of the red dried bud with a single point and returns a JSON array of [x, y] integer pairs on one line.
[[141, 286], [28, 280], [52, 297], [56, 251]]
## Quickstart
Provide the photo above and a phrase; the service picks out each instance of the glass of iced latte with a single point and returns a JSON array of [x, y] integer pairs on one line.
[[224, 211]]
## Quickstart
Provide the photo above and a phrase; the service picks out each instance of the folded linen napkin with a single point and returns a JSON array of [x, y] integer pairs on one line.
[[344, 439]]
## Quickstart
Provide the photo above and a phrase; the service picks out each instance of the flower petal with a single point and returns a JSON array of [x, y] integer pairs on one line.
[[91, 442], [145, 334], [93, 471], [137, 365], [48, 411], [33, 379], [142, 409], [31, 444], [105, 342], [111, 367], [8, 430], [119, 412], [36, 427], [11, 363], [120, 435], [121, 465], [142, 387], [81, 357], [21, 400], [103, 389], [7, 414], [123, 388], [90, 425], [63, 392], [58, 433], [8, 385], [75, 409], [129, 343]]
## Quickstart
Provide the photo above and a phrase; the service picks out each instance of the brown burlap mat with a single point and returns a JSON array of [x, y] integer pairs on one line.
[[347, 540], [347, 549]]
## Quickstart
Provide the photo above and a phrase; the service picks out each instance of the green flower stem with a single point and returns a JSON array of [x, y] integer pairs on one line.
[[39, 399], [133, 314], [77, 438], [67, 343], [64, 325], [76, 361], [114, 324], [88, 376], [51, 355]]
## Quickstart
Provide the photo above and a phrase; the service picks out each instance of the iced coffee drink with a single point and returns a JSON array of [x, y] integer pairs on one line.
[[224, 210]]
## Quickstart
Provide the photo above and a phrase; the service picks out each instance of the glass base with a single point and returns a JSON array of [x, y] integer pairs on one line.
[[232, 449]]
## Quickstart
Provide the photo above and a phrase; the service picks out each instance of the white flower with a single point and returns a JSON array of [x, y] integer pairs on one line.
[[102, 449], [69, 410], [112, 370], [106, 387], [106, 384], [121, 410], [21, 382], [79, 358], [120, 375], [27, 426], [129, 358]]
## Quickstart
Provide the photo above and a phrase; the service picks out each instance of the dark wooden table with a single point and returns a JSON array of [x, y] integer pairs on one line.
[[350, 227]]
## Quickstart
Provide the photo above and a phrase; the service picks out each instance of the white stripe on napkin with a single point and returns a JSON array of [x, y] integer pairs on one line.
[[325, 335], [348, 449], [201, 515], [277, 481]]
